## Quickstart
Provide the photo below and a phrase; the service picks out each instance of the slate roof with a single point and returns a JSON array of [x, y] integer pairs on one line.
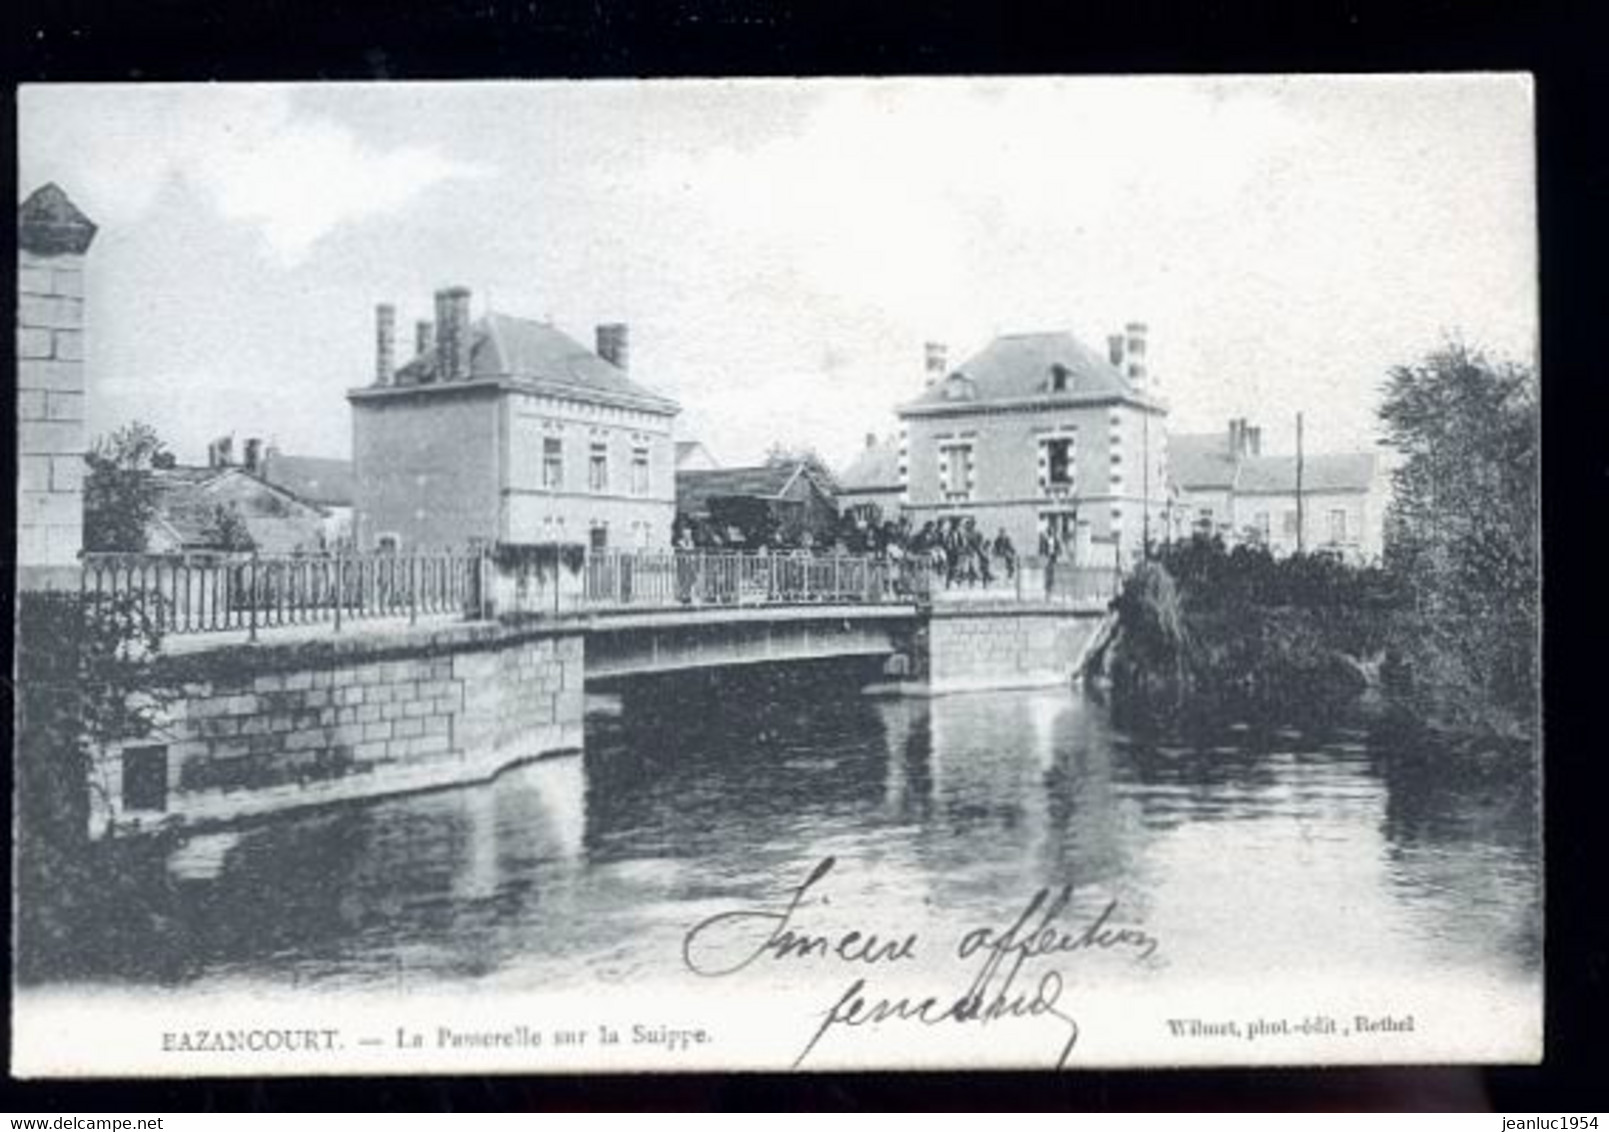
[[1200, 460], [873, 469], [314, 478], [503, 346], [1018, 367], [189, 496], [1324, 471], [689, 449], [694, 489]]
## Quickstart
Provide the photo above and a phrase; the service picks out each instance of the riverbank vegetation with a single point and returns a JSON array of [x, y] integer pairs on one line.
[[1203, 620], [84, 657], [1445, 627], [1462, 538]]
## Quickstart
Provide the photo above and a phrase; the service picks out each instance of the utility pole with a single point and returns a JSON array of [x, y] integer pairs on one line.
[[1300, 518], [1145, 489]]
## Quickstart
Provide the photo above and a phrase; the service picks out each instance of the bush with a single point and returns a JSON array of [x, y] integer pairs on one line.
[[1205, 620], [79, 665]]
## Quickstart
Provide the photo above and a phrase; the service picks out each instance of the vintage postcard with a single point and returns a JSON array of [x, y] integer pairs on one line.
[[777, 575]]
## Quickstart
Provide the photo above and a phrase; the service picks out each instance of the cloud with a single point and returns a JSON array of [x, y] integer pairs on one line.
[[294, 177], [897, 194]]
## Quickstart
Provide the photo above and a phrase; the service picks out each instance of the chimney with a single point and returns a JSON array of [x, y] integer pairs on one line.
[[424, 338], [937, 357], [452, 334], [221, 452], [253, 454], [1134, 352], [385, 344], [1254, 440], [1234, 438], [614, 344], [1114, 350]]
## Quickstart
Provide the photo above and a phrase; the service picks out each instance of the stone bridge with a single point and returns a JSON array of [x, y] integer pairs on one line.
[[251, 728]]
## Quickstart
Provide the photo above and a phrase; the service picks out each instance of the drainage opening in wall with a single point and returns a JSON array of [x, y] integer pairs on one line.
[[145, 778]]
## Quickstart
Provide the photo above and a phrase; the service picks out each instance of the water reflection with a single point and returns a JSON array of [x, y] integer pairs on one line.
[[1242, 846]]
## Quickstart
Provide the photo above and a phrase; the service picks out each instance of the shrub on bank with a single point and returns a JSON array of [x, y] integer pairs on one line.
[[1201, 619], [79, 659]]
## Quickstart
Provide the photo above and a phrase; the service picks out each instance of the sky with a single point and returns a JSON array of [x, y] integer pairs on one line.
[[782, 249]]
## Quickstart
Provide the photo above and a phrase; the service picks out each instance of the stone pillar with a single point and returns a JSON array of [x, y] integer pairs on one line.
[[52, 237]]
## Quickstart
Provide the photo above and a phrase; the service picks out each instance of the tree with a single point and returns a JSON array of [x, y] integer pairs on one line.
[[227, 529], [1462, 534], [121, 496]]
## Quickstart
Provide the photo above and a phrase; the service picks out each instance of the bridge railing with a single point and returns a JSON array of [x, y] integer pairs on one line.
[[1030, 579], [207, 593], [213, 593], [626, 579]]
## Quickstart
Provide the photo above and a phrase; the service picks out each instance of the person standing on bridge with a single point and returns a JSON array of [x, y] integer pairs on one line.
[[1007, 553], [1050, 549], [977, 554]]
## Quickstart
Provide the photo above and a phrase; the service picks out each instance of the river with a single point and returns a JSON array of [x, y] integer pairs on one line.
[[1242, 848]]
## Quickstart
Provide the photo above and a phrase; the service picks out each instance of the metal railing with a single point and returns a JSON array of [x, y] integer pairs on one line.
[[225, 592], [1029, 579], [1066, 582], [212, 593], [619, 579]]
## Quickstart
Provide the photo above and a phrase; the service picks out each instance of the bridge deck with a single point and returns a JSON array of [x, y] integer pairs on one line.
[[399, 629]]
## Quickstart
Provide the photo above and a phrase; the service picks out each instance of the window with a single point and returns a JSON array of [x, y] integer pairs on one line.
[[1338, 525], [598, 537], [639, 471], [1290, 524], [552, 463], [1265, 525], [1204, 515], [1057, 455], [145, 778], [598, 468], [387, 543], [956, 471], [1058, 378]]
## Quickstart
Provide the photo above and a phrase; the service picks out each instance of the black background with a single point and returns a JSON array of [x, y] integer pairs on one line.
[[72, 40]]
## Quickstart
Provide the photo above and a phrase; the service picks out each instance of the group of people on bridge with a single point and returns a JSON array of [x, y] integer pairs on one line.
[[952, 548]]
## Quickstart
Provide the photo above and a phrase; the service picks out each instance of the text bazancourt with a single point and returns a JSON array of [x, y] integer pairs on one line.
[[251, 1041]]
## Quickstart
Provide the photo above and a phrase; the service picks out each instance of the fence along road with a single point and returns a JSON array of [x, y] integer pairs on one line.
[[193, 594]]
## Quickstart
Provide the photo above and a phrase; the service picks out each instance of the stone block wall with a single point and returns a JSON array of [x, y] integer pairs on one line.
[[52, 237], [523, 700], [248, 730], [1006, 646]]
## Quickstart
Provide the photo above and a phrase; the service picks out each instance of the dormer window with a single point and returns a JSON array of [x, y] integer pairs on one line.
[[958, 387], [1060, 378]]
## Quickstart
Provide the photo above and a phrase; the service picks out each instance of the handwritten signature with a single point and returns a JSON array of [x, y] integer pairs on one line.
[[729, 942]]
